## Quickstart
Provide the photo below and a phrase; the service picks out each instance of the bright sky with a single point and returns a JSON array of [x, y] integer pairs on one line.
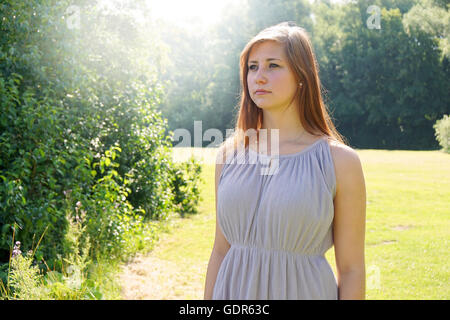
[[177, 11], [205, 11], [182, 12]]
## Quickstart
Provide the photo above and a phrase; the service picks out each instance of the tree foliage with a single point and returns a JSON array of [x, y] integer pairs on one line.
[[79, 86], [385, 87]]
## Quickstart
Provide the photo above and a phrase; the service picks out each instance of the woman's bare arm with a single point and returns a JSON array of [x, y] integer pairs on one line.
[[349, 223], [221, 245]]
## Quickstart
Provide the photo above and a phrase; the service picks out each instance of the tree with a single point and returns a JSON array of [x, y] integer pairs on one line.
[[380, 80]]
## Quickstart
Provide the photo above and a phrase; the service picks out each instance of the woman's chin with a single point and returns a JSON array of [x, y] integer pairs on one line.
[[265, 106]]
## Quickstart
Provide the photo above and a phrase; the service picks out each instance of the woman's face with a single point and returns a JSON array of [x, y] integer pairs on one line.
[[274, 76]]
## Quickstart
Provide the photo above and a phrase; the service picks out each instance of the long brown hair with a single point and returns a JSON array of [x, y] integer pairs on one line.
[[301, 58]]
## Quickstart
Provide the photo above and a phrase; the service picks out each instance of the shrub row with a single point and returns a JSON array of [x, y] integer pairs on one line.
[[80, 140]]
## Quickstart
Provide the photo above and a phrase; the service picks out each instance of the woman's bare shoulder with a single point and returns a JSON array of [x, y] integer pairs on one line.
[[225, 151], [342, 152], [347, 164]]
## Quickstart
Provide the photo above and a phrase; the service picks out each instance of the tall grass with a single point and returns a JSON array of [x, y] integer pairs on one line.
[[81, 278]]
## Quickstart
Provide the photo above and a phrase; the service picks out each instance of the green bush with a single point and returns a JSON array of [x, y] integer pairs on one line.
[[185, 185], [111, 220], [442, 132], [79, 130]]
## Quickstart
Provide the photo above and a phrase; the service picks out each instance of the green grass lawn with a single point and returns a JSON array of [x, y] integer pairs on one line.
[[407, 229]]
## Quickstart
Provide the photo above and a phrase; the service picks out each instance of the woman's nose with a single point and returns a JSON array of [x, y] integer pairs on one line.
[[260, 76]]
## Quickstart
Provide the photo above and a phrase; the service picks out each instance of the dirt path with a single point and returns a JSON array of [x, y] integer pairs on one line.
[[176, 268]]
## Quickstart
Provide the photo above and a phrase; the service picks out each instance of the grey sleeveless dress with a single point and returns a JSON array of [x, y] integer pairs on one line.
[[279, 225]]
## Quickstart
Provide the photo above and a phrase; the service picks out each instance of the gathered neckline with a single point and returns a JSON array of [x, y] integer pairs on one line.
[[288, 155]]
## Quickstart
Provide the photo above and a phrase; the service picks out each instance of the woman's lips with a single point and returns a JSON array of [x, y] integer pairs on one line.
[[261, 92]]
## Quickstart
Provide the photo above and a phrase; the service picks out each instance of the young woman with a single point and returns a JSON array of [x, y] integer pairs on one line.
[[272, 230]]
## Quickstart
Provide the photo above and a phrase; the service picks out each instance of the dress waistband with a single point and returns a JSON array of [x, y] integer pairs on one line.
[[245, 246]]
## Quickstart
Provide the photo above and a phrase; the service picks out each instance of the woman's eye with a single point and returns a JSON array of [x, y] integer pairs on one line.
[[272, 64]]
